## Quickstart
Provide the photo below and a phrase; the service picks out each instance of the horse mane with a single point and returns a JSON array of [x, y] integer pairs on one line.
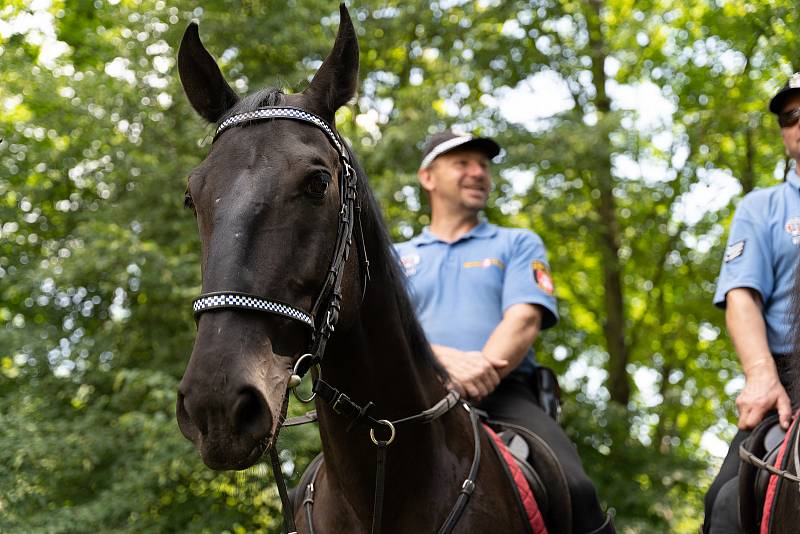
[[383, 258], [265, 97], [794, 318]]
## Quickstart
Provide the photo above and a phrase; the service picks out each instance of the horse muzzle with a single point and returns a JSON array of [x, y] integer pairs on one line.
[[232, 422]]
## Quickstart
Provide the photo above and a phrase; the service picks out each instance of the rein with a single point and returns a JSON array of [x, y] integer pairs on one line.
[[323, 325], [747, 456]]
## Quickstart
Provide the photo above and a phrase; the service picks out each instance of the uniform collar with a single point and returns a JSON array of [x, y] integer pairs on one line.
[[793, 179], [483, 230]]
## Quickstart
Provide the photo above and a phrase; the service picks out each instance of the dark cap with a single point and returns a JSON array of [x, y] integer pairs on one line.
[[791, 87], [446, 141]]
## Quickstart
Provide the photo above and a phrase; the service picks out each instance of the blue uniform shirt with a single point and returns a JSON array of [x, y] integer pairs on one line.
[[762, 254], [461, 289]]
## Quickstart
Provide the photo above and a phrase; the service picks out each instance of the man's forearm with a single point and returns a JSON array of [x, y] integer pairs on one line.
[[745, 322], [762, 388], [513, 337]]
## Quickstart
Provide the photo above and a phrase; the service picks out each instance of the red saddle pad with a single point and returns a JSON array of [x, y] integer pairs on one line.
[[525, 493], [772, 489]]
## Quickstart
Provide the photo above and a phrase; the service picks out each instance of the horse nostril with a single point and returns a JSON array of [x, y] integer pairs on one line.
[[251, 414], [190, 426]]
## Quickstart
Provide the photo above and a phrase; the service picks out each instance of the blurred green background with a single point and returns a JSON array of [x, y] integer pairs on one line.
[[630, 129]]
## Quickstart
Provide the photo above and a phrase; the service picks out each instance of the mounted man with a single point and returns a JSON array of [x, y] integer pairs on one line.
[[754, 289], [482, 294]]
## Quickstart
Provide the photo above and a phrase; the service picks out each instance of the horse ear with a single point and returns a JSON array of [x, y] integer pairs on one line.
[[336, 81], [207, 90]]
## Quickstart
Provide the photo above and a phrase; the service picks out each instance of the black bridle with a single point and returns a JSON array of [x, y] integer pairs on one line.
[[331, 291], [323, 326]]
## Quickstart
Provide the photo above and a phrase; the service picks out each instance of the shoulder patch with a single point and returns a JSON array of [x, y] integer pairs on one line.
[[410, 263], [793, 229], [541, 274], [734, 251], [539, 266]]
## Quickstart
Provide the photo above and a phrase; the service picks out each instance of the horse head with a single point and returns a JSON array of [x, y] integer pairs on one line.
[[268, 199]]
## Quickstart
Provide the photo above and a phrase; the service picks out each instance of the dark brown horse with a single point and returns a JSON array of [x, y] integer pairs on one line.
[[274, 201]]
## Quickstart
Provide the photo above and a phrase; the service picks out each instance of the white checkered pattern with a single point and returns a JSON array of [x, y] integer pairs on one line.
[[281, 113], [249, 302]]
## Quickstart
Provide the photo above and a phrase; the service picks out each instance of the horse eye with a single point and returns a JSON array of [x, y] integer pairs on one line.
[[188, 203], [317, 185]]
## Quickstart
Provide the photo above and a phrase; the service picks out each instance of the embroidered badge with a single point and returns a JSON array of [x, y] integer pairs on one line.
[[734, 251], [485, 263], [541, 274], [793, 227], [410, 264]]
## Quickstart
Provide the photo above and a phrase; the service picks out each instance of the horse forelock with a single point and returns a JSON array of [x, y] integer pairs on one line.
[[268, 96]]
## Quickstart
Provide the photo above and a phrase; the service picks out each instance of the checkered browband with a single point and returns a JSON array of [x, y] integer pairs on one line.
[[229, 299], [282, 112]]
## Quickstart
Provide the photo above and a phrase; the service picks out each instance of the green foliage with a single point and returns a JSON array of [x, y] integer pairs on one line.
[[98, 262]]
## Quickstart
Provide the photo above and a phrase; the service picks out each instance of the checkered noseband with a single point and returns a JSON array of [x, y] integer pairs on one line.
[[211, 301], [348, 216]]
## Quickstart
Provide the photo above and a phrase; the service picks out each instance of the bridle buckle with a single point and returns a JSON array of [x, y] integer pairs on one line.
[[340, 399]]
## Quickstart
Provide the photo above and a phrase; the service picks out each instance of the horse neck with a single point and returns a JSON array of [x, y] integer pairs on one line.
[[374, 361]]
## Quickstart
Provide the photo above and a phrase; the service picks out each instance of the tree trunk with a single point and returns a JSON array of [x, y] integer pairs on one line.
[[748, 180], [614, 328]]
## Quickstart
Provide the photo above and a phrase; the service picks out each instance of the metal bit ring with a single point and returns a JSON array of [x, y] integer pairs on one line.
[[296, 379]]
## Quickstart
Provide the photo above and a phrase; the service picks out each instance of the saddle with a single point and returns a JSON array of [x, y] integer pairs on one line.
[[544, 474], [765, 443]]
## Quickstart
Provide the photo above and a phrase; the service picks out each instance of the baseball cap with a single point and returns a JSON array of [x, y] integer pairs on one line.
[[446, 141], [792, 86]]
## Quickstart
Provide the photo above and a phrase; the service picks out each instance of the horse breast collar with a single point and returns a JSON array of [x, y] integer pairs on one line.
[[349, 215]]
